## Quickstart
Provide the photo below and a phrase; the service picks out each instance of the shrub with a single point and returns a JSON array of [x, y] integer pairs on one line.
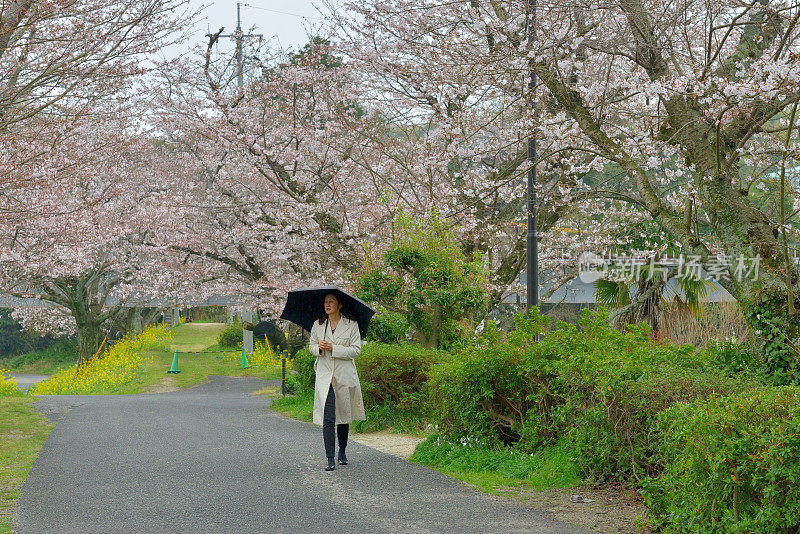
[[483, 393], [8, 386], [396, 374], [231, 336], [614, 384], [594, 388], [388, 327], [733, 464], [303, 365], [425, 275], [735, 358]]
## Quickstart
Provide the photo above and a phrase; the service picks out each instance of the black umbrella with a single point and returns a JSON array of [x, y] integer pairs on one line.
[[306, 305]]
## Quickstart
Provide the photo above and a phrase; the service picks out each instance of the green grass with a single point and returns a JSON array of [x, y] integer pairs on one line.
[[196, 366], [299, 406], [46, 361], [196, 336], [391, 418], [22, 434], [492, 469]]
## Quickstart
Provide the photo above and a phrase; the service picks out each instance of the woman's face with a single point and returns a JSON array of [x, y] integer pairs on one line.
[[332, 305]]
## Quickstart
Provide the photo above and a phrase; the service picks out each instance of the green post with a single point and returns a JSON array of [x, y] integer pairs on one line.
[[174, 368], [244, 359]]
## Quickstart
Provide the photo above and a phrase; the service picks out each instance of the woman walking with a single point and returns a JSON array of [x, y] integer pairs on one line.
[[336, 341]]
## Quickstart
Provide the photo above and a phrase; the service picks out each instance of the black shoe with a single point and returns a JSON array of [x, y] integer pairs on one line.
[[331, 465], [342, 459]]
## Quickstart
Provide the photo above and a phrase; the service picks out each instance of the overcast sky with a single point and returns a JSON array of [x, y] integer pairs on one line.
[[283, 21]]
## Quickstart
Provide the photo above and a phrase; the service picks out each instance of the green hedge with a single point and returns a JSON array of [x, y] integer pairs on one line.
[[733, 464], [595, 388], [396, 374], [388, 327]]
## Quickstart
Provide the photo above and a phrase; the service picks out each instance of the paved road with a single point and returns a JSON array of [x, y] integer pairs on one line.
[[25, 381], [216, 459]]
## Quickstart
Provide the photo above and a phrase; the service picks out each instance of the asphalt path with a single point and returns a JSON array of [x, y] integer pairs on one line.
[[215, 458], [25, 381]]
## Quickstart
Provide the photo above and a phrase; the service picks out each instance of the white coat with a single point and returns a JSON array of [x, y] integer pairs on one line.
[[337, 368]]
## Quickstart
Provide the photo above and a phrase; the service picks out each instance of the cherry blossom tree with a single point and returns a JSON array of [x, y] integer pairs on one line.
[[678, 110], [72, 181], [72, 235], [58, 56], [274, 201], [454, 121]]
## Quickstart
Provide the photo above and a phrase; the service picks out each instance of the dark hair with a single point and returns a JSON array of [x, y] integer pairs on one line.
[[346, 314]]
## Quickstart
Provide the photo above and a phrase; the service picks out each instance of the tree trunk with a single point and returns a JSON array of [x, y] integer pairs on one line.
[[85, 297], [747, 232], [89, 338], [436, 327]]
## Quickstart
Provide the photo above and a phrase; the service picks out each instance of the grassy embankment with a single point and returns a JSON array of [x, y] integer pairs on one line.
[[197, 366], [42, 362]]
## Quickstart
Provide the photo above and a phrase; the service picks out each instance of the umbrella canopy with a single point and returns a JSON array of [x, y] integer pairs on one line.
[[306, 305]]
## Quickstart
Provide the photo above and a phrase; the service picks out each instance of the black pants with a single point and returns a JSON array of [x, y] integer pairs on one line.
[[328, 423]]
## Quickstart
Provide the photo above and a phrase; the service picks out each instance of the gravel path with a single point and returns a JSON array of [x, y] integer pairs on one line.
[[215, 459]]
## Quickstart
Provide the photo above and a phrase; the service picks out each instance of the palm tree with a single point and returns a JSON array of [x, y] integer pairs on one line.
[[651, 294]]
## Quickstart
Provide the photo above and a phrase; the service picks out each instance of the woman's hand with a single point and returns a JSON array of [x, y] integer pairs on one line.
[[325, 345]]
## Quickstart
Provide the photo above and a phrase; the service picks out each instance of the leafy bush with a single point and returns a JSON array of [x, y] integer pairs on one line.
[[115, 367], [770, 323], [615, 384], [8, 386], [594, 388], [396, 374], [388, 327], [735, 358], [303, 365], [733, 464], [425, 276], [483, 393], [231, 336]]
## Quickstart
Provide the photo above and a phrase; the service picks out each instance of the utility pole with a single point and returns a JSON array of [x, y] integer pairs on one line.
[[239, 36], [532, 271]]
